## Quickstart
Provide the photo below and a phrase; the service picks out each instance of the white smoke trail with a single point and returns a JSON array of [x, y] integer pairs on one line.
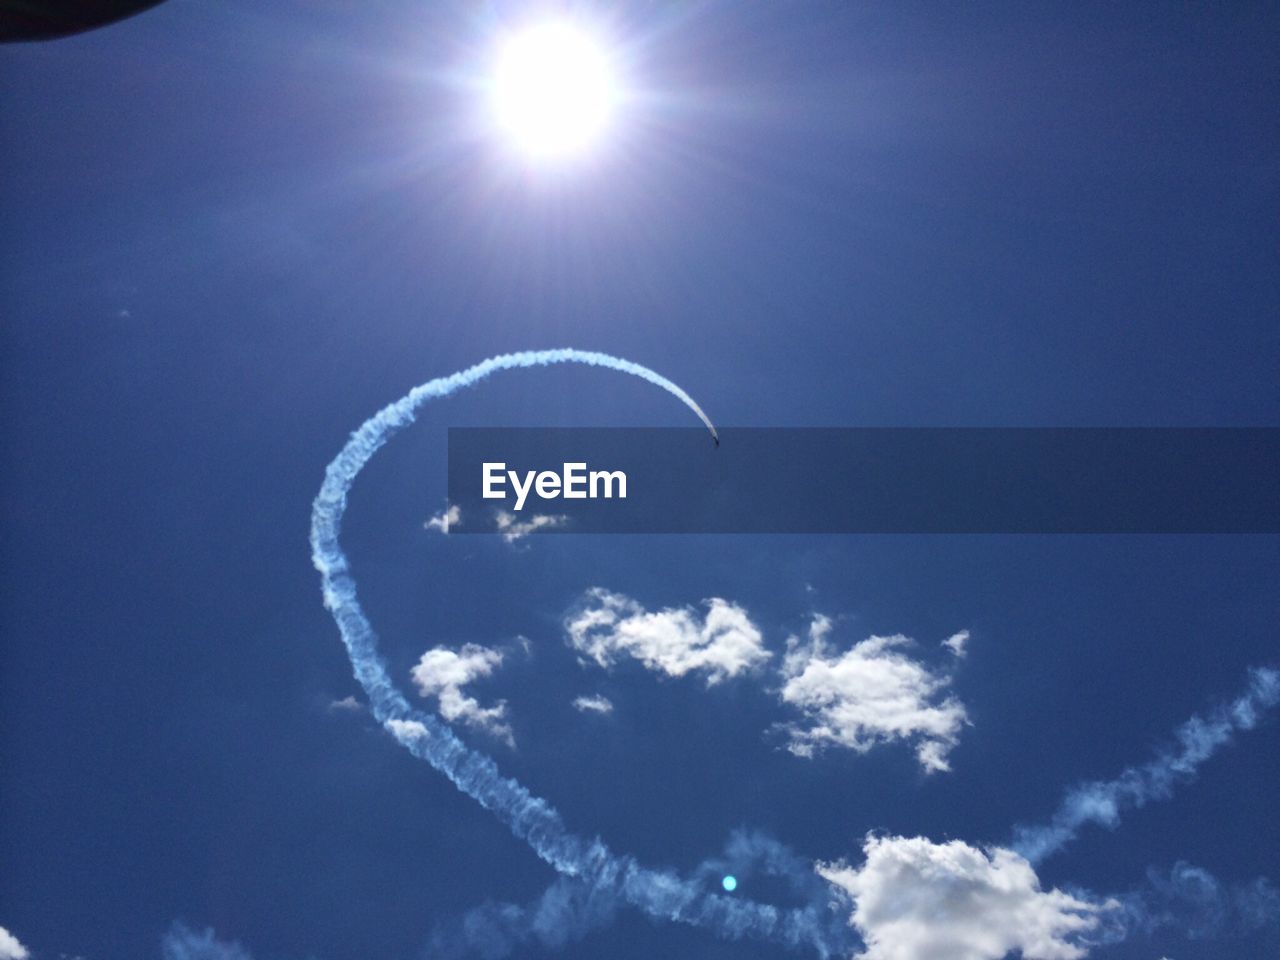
[[658, 893], [1197, 740], [569, 909], [1187, 901], [1193, 902]]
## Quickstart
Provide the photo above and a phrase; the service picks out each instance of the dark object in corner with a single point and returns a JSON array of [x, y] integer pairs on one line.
[[50, 19]]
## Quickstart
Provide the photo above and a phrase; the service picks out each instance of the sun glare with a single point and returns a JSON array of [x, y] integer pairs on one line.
[[553, 91]]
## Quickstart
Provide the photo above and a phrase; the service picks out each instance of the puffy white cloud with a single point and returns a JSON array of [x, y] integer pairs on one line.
[[918, 900], [513, 529], [407, 729], [597, 704], [871, 694], [347, 704], [444, 520], [956, 643], [442, 673], [722, 644], [10, 948]]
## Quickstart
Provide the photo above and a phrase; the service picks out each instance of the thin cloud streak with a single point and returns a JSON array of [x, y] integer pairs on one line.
[[596, 704], [1103, 802]]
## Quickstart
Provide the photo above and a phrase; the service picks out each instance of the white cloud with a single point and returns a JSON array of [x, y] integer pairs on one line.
[[513, 529], [444, 520], [956, 643], [724, 643], [183, 943], [347, 704], [408, 729], [595, 704], [918, 900], [442, 673], [10, 948], [869, 695]]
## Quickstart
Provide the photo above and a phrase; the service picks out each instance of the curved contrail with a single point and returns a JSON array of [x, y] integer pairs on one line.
[[658, 893]]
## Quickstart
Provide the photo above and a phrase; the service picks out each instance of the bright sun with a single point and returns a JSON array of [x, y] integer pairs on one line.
[[553, 91]]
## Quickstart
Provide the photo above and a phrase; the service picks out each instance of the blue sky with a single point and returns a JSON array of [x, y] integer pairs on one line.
[[234, 233]]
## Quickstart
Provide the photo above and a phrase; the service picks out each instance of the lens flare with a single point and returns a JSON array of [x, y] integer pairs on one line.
[[553, 91]]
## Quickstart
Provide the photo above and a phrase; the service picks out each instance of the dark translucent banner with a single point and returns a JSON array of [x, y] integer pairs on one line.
[[865, 480]]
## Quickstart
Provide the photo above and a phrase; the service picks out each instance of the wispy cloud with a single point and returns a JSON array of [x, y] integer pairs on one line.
[[442, 673], [513, 529], [10, 947], [1197, 740], [566, 912], [871, 694], [347, 704], [595, 704], [183, 943], [445, 519], [572, 907], [913, 899], [958, 643], [1194, 903], [721, 644]]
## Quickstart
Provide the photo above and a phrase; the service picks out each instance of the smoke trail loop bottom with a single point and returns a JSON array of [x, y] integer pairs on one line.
[[661, 894]]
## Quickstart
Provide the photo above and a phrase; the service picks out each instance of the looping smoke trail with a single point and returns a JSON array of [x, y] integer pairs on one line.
[[1198, 739], [658, 893]]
